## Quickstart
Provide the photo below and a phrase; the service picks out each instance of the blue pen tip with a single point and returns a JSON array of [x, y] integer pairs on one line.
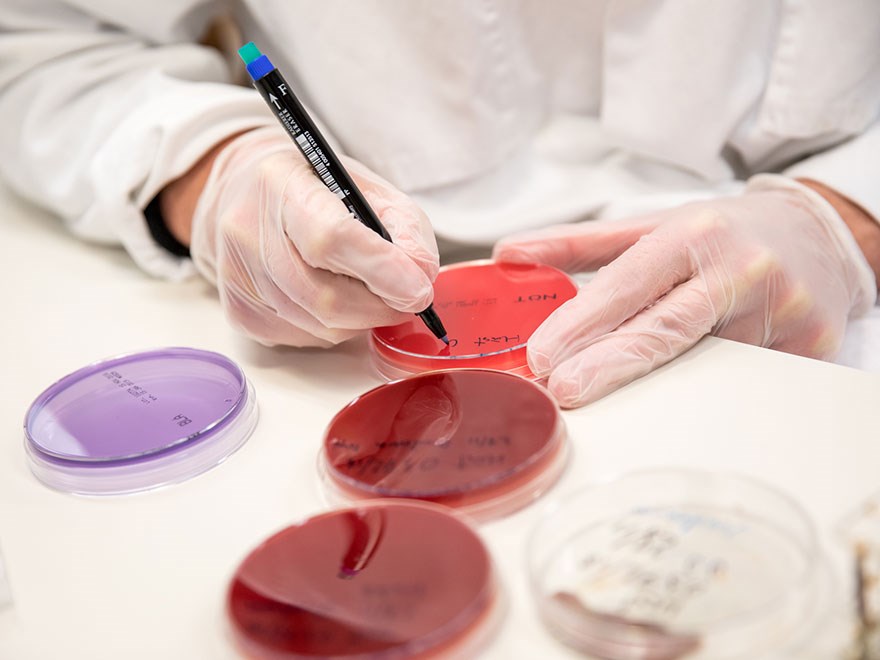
[[445, 339]]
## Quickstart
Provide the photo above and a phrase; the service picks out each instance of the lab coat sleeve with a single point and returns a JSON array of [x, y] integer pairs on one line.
[[851, 168], [99, 111]]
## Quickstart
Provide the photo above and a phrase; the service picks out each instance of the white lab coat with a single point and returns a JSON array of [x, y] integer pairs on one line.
[[497, 115]]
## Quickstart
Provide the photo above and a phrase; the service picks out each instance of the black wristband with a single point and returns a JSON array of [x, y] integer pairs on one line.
[[159, 230]]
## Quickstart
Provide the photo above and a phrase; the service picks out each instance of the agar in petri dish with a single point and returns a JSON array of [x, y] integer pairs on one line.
[[389, 579], [674, 564], [489, 310], [482, 441], [139, 421]]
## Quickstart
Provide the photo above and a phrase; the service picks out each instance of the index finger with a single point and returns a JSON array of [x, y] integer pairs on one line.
[[634, 281], [328, 237]]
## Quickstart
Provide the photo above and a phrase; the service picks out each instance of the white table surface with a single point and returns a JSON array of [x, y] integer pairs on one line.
[[144, 576]]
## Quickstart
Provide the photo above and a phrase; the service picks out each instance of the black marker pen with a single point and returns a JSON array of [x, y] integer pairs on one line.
[[281, 99]]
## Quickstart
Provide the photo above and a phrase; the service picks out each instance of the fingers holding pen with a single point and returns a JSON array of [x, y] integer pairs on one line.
[[289, 303], [406, 222], [328, 238], [292, 266]]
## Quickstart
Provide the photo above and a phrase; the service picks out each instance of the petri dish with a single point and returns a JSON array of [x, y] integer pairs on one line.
[[679, 564], [489, 310], [484, 442], [860, 532], [384, 580], [139, 421], [5, 591]]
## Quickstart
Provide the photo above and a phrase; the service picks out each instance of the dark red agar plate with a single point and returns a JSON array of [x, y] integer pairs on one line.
[[482, 441], [385, 580]]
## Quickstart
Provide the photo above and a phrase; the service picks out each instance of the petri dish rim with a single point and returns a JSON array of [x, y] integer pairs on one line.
[[812, 550], [556, 442], [477, 263], [60, 385]]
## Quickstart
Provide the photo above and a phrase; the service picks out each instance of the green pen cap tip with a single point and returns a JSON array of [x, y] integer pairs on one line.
[[249, 52]]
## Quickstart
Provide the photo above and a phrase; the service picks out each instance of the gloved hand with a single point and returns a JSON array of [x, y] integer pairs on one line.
[[773, 267], [291, 264]]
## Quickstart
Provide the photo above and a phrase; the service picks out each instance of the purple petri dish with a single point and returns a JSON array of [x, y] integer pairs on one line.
[[139, 421]]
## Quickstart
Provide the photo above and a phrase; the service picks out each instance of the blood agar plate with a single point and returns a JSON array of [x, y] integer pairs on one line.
[[482, 441], [384, 580], [139, 421], [489, 310], [680, 564]]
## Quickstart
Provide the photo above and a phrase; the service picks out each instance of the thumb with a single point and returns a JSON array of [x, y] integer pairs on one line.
[[585, 246]]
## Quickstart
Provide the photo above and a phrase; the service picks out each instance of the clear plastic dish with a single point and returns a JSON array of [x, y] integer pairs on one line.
[[679, 564], [489, 310], [139, 421], [5, 591], [388, 579], [485, 442]]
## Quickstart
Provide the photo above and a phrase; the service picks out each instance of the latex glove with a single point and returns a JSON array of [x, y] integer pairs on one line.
[[773, 267], [291, 264]]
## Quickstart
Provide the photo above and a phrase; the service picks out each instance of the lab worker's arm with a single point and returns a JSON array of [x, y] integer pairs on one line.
[[865, 227], [102, 104], [784, 266], [849, 177]]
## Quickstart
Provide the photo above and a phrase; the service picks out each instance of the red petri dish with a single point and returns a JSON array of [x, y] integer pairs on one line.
[[489, 310], [482, 441], [384, 580]]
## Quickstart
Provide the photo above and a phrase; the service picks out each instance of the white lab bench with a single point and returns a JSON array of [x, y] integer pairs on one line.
[[144, 576]]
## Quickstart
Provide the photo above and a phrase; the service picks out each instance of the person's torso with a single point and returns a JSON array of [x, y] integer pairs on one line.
[[463, 100]]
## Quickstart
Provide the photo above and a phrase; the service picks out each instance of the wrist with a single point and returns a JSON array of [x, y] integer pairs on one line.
[[858, 274], [865, 229], [178, 199]]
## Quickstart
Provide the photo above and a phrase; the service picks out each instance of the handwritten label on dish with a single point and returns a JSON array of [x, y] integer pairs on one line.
[[673, 565]]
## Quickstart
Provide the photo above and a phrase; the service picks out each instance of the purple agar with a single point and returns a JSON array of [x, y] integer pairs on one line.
[[139, 421]]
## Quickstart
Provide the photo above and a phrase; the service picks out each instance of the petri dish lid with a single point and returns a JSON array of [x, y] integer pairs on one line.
[[482, 441], [388, 579], [139, 421], [679, 564], [5, 591], [489, 310]]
